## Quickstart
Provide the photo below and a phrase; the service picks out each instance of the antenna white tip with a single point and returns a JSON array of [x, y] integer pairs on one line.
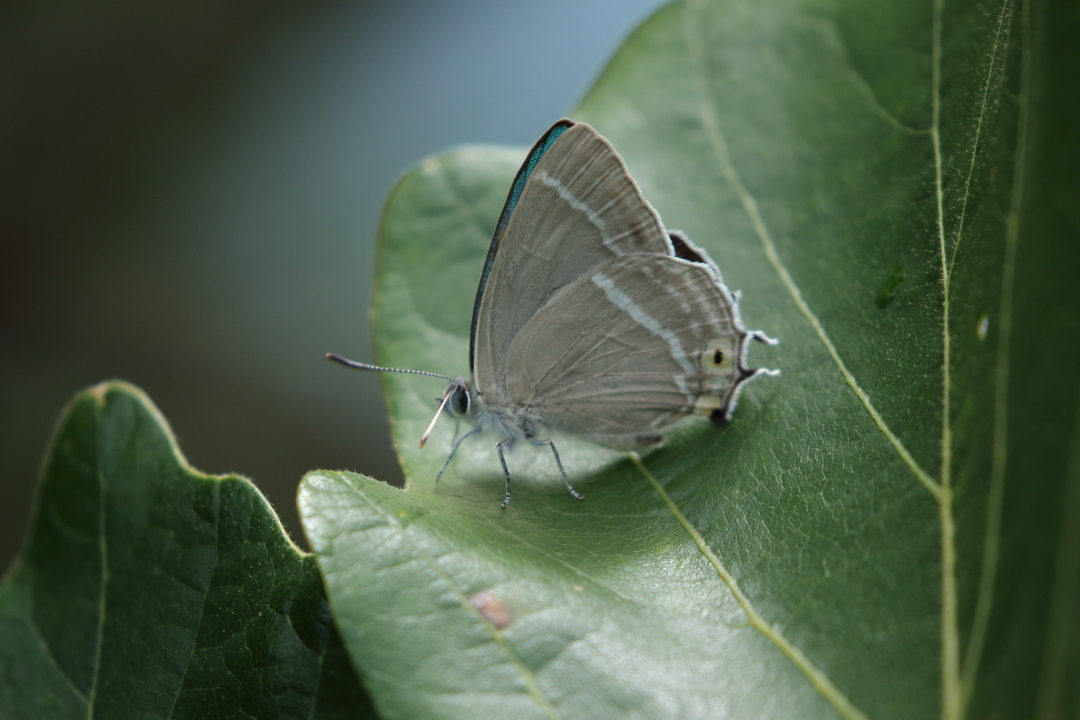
[[431, 425]]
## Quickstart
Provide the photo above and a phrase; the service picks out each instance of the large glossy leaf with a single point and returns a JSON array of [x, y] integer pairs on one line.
[[149, 590], [890, 528]]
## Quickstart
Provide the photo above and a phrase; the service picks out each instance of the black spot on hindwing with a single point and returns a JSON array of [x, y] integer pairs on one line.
[[683, 249]]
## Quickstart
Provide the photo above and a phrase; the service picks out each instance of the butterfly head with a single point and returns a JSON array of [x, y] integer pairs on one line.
[[456, 400]]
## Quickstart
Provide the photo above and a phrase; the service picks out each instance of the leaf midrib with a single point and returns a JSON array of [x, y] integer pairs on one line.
[[951, 696]]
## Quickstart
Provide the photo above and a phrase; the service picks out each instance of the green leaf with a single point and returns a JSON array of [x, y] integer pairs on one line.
[[890, 528], [147, 589]]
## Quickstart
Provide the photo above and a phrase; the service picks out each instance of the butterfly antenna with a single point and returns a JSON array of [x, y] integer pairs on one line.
[[446, 399], [364, 366]]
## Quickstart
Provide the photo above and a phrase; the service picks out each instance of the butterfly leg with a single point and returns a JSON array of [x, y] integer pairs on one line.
[[558, 462], [454, 450], [499, 447]]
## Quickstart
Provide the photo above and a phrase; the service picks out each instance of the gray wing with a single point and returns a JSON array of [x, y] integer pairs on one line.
[[633, 346], [578, 209]]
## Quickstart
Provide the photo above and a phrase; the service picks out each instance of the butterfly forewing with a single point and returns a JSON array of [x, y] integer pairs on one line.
[[629, 348], [578, 209]]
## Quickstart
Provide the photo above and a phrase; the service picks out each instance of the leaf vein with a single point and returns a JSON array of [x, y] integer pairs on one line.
[[531, 681], [52, 659], [992, 541], [202, 607], [710, 124], [999, 44], [318, 681], [817, 678], [564, 563], [863, 86], [951, 695]]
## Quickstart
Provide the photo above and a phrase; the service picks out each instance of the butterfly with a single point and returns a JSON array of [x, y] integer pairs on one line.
[[591, 318]]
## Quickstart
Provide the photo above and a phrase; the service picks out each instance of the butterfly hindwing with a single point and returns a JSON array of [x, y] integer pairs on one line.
[[629, 348]]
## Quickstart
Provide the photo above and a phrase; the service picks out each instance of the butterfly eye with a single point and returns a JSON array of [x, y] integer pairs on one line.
[[459, 402]]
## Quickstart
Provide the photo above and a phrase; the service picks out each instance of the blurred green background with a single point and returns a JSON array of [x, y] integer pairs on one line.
[[189, 194]]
